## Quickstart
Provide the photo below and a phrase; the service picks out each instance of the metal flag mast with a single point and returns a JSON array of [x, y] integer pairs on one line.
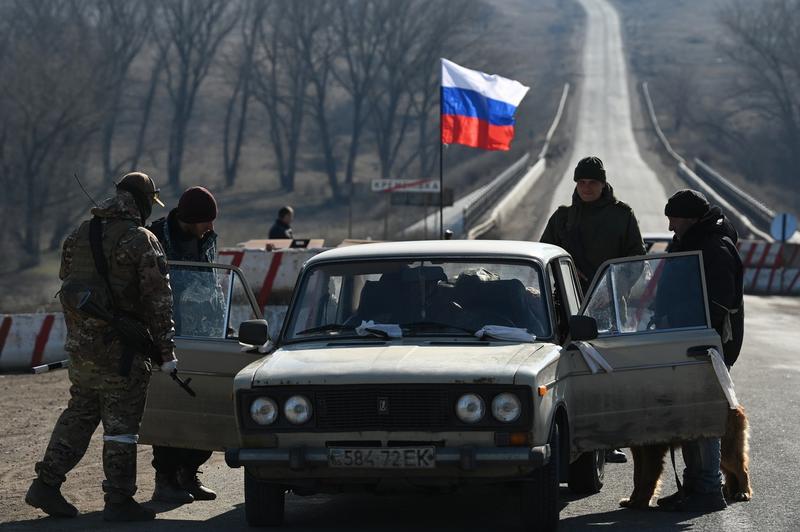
[[441, 153]]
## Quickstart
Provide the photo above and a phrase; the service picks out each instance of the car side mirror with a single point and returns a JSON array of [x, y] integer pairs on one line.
[[582, 328], [254, 332]]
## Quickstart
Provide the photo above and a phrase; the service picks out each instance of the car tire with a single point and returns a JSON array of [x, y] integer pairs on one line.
[[586, 474], [539, 499], [263, 502]]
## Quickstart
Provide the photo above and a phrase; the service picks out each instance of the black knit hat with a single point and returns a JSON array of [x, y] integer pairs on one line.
[[687, 203], [197, 205], [590, 168]]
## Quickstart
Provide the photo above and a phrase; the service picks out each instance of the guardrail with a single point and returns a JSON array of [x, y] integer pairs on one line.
[[755, 218], [511, 200], [496, 189]]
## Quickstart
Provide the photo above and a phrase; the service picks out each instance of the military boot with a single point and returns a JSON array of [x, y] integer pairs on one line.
[[187, 479], [126, 509], [49, 500], [168, 490]]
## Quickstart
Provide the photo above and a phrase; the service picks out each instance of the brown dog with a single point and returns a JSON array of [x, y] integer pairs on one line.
[[648, 464]]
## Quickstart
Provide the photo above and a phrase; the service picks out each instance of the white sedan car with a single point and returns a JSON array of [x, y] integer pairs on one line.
[[441, 364]]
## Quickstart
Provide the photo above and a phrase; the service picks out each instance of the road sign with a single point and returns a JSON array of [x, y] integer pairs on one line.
[[422, 200], [405, 185], [783, 227]]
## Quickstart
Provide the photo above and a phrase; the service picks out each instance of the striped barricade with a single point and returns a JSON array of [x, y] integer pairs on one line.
[[770, 267], [28, 340]]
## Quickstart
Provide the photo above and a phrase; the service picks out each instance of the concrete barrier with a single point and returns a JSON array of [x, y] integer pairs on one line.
[[28, 340]]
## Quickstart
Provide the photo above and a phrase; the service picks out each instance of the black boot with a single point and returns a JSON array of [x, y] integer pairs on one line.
[[49, 500], [126, 509], [168, 490], [187, 480]]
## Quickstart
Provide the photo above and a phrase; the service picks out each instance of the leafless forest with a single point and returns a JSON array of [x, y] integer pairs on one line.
[[725, 78], [99, 87]]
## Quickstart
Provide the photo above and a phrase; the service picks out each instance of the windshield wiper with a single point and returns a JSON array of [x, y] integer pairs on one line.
[[435, 325], [330, 327]]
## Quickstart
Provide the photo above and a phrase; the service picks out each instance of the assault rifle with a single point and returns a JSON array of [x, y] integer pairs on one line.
[[134, 336]]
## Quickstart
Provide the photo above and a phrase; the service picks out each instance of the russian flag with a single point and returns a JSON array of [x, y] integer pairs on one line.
[[477, 108]]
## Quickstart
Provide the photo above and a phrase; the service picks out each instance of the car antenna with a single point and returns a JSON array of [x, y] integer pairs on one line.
[[75, 175]]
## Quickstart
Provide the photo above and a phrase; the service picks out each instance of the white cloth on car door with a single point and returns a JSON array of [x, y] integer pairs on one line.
[[593, 358], [724, 377]]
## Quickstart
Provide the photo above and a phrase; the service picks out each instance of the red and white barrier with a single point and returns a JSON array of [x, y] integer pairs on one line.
[[770, 267], [28, 340]]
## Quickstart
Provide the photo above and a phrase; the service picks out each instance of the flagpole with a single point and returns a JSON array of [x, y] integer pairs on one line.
[[441, 160]]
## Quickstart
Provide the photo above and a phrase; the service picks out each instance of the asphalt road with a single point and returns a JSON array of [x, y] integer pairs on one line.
[[767, 378], [604, 126]]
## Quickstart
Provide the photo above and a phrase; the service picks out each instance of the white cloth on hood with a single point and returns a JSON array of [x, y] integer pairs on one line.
[[501, 332], [392, 330]]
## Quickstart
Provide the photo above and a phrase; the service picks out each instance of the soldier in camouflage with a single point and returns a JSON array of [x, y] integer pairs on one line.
[[187, 234], [136, 285]]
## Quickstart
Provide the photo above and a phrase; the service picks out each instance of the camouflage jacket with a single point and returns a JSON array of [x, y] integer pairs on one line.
[[138, 277]]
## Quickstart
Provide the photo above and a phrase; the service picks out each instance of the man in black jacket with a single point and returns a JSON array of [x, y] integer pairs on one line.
[[701, 227], [186, 234], [282, 228]]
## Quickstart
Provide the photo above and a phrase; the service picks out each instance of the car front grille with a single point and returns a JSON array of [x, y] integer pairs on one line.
[[383, 409]]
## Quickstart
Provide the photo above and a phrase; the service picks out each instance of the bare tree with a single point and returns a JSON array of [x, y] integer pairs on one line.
[[195, 29], [241, 71], [51, 94], [317, 46], [280, 82], [122, 29], [764, 43], [360, 30]]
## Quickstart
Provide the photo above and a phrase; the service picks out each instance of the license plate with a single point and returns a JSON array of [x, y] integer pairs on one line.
[[382, 458]]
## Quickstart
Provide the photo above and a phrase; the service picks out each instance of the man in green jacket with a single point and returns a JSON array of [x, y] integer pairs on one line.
[[595, 228]]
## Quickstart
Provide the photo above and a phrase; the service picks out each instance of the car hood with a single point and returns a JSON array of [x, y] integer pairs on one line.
[[431, 362]]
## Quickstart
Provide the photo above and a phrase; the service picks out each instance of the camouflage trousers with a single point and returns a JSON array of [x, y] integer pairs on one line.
[[98, 393]]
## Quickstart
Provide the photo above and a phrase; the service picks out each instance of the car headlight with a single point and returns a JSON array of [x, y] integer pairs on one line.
[[506, 407], [297, 409], [264, 411], [470, 408]]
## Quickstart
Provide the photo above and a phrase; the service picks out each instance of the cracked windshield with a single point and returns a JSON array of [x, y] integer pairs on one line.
[[451, 298]]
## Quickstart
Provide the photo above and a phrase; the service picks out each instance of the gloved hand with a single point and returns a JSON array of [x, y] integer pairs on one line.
[[169, 366]]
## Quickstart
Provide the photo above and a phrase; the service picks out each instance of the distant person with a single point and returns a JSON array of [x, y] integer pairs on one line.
[[700, 227], [595, 228], [282, 228], [113, 259], [187, 234]]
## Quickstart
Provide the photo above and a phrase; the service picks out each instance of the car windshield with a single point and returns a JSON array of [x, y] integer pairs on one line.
[[421, 297]]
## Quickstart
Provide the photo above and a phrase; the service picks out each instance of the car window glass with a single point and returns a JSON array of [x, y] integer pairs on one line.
[[571, 295], [648, 295], [201, 299], [442, 297]]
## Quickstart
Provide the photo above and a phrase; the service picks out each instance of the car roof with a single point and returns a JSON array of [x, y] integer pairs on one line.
[[442, 249]]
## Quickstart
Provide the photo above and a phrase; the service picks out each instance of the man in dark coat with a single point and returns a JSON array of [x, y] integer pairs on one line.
[[595, 228], [282, 228], [701, 227], [187, 234]]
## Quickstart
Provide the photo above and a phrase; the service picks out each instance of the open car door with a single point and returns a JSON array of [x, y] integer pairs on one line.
[[209, 303], [653, 336]]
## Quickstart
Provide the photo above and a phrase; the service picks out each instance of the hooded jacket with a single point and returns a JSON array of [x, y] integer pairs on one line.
[[179, 247], [714, 235], [594, 232]]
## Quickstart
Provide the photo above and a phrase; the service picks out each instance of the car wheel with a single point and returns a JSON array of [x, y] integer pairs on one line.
[[263, 502], [586, 474], [540, 504]]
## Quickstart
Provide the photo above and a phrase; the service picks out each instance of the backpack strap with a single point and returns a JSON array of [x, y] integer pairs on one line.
[[100, 264]]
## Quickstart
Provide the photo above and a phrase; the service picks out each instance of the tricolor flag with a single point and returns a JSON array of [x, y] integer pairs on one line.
[[477, 108]]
